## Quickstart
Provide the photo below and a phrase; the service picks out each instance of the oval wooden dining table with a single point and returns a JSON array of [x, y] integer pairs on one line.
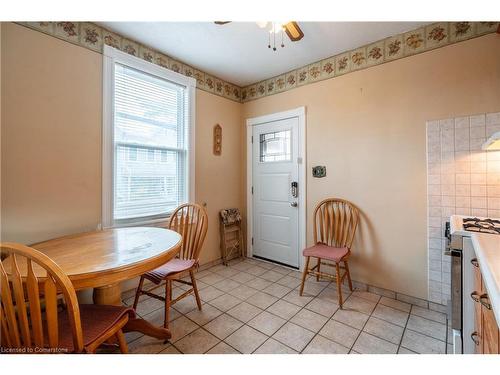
[[102, 259]]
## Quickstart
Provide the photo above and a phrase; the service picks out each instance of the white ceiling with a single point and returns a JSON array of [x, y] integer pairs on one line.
[[237, 52]]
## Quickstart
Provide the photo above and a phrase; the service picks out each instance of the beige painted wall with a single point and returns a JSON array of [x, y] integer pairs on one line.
[[217, 177], [368, 128], [51, 136], [51, 142]]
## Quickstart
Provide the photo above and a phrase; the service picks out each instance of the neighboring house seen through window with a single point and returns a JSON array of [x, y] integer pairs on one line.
[[151, 140]]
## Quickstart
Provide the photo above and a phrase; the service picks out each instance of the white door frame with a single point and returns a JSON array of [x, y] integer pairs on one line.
[[300, 113]]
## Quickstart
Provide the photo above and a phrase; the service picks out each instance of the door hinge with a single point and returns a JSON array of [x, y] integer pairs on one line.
[[252, 138], [252, 241], [252, 189]]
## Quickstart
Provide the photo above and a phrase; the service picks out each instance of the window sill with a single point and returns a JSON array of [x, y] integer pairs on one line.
[[162, 222]]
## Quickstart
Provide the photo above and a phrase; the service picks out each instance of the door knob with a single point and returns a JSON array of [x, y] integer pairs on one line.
[[293, 204]]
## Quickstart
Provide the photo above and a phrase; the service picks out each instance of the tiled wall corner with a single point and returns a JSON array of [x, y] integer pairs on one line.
[[461, 179]]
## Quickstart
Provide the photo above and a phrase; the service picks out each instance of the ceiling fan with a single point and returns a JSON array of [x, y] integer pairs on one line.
[[291, 28]]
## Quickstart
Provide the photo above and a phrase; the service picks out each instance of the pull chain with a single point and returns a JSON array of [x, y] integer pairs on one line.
[[274, 36], [273, 31]]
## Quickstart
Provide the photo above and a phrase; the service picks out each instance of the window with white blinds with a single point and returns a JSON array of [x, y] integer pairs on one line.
[[150, 145]]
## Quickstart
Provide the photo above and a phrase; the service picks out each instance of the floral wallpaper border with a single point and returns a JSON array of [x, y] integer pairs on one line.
[[426, 38], [94, 37], [420, 40]]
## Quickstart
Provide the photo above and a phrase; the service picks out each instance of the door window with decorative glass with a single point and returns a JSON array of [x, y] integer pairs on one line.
[[275, 146]]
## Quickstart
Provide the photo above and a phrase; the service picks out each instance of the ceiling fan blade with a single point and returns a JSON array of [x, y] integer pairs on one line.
[[293, 31], [221, 22]]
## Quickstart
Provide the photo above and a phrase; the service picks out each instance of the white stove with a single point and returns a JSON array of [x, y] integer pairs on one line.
[[466, 225], [463, 260]]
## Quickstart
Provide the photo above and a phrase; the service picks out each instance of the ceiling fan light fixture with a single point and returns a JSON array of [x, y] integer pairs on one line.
[[277, 27], [291, 28], [293, 31]]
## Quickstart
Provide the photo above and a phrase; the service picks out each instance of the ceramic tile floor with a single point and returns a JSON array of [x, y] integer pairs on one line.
[[253, 306]]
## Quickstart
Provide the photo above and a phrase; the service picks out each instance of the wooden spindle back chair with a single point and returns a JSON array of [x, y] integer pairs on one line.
[[334, 226], [191, 222], [33, 320], [335, 222], [29, 300]]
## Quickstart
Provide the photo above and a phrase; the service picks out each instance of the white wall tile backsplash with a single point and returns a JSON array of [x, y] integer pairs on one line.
[[461, 179]]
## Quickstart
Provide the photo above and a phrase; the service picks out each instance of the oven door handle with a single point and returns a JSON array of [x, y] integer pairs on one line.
[[485, 300], [452, 252], [475, 296], [475, 338], [447, 250]]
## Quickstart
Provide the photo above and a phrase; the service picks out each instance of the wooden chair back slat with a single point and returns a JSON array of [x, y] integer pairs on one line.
[[4, 330], [341, 225], [189, 228], [324, 219], [320, 225], [332, 229], [184, 227], [34, 303], [191, 221], [17, 285], [22, 318], [50, 292], [335, 222], [9, 313], [198, 233]]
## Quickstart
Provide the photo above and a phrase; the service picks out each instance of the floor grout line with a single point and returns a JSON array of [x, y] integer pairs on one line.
[[301, 307], [405, 328], [289, 321], [446, 338], [317, 333], [364, 325]]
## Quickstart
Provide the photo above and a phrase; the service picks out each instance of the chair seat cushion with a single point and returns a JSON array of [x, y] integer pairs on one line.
[[174, 266], [320, 250], [96, 320]]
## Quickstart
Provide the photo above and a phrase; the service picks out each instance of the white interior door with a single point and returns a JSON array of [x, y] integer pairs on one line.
[[275, 170]]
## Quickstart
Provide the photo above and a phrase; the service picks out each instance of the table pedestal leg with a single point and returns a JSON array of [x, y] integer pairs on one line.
[[111, 295], [108, 295]]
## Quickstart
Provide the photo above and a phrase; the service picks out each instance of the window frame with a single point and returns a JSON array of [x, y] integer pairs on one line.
[[111, 56]]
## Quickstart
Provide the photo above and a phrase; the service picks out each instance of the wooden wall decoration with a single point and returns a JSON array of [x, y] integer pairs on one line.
[[217, 139]]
